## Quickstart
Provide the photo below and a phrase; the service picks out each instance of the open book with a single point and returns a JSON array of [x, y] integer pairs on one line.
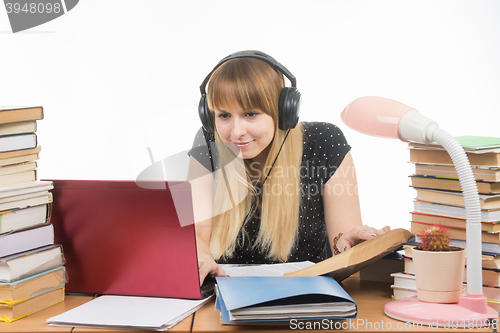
[[349, 262]]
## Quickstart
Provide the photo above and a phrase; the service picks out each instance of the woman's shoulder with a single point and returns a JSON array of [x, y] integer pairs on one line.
[[323, 138], [319, 128]]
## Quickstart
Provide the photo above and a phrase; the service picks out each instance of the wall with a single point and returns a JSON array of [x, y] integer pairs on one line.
[[116, 77]]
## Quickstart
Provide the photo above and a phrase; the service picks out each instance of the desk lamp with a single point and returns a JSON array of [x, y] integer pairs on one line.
[[387, 118]]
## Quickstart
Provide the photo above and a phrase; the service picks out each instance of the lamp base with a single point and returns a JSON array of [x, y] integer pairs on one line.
[[451, 315]]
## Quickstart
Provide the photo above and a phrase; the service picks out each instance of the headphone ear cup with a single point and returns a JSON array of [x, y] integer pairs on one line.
[[206, 117], [288, 108]]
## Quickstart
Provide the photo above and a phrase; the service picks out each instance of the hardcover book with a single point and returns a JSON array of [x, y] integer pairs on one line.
[[20, 156], [31, 286], [18, 142], [21, 114], [24, 218], [19, 265], [349, 262], [26, 239], [31, 305]]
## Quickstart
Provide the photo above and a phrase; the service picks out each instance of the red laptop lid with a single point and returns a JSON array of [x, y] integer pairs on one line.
[[119, 238]]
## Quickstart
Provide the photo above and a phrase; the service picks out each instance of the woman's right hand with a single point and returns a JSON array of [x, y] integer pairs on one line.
[[208, 266]]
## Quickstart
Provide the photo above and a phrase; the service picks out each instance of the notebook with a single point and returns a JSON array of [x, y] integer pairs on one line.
[[119, 238]]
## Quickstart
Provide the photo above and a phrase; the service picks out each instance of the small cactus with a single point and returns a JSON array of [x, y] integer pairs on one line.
[[435, 238]]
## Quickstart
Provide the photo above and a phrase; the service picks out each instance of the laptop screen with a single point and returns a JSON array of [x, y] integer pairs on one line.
[[122, 239]]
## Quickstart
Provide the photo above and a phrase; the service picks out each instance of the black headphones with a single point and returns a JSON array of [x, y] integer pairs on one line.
[[288, 104]]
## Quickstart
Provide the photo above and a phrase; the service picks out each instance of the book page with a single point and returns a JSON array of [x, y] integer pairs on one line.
[[265, 269]]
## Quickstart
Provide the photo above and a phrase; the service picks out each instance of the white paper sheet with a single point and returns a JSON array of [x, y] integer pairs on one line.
[[265, 270], [147, 313]]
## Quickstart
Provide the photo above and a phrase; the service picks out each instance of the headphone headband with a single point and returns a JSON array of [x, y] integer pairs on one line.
[[251, 54], [288, 103]]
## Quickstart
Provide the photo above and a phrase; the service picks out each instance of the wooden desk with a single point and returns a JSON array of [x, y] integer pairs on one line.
[[36, 322], [369, 296]]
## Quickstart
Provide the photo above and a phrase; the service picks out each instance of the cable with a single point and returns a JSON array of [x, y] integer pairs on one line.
[[253, 206], [272, 165]]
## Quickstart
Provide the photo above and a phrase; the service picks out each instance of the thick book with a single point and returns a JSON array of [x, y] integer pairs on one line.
[[470, 143], [32, 200], [258, 298], [21, 197], [489, 261], [20, 290], [15, 115], [453, 222], [20, 156], [486, 201], [491, 277], [447, 184], [31, 305], [442, 157], [488, 249], [349, 262], [455, 233], [26, 239], [22, 264], [24, 188], [487, 215], [18, 142], [18, 167], [16, 178], [405, 285], [24, 218], [18, 128], [487, 174]]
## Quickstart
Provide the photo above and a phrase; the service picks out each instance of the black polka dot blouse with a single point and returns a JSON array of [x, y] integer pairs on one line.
[[324, 150]]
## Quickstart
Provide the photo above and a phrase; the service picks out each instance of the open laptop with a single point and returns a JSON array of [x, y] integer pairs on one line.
[[122, 239]]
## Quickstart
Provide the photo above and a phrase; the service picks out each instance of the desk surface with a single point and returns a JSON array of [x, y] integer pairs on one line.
[[369, 296], [36, 322]]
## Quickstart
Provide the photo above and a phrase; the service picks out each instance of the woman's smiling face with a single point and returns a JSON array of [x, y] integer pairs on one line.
[[250, 131]]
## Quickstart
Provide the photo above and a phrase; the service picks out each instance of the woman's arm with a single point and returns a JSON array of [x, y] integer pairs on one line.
[[342, 209], [202, 188]]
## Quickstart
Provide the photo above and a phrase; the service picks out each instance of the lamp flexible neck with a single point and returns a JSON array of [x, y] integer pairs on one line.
[[472, 208]]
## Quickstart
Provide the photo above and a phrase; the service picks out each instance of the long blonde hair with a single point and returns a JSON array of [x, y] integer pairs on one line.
[[253, 84]]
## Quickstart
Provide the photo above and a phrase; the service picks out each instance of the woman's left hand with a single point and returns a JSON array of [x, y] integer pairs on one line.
[[357, 235]]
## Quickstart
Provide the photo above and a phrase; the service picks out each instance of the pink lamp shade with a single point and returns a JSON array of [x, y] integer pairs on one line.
[[386, 118], [376, 116]]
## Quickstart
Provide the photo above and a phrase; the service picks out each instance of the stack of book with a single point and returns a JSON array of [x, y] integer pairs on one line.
[[439, 201], [32, 276]]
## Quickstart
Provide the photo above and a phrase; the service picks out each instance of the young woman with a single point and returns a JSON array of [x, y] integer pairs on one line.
[[266, 188]]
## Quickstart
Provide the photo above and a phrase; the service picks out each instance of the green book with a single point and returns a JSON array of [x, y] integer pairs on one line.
[[478, 142], [469, 143]]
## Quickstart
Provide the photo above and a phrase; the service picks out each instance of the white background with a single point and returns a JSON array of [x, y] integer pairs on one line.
[[115, 77]]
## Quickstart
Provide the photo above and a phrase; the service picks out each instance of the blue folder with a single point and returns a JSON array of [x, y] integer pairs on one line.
[[243, 292]]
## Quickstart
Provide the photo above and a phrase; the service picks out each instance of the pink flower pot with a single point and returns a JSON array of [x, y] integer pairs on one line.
[[439, 275]]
